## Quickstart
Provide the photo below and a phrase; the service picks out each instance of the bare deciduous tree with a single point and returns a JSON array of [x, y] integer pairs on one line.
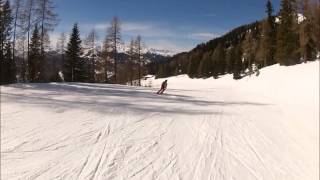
[[131, 60], [113, 40], [139, 54], [17, 6], [47, 19], [28, 13], [91, 53], [61, 43]]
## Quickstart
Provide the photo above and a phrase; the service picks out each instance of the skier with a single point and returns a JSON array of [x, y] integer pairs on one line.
[[163, 87]]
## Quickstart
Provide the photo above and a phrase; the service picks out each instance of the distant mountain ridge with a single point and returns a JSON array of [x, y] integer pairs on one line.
[[123, 48]]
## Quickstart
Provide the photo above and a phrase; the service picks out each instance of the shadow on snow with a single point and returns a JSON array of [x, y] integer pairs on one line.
[[110, 98]]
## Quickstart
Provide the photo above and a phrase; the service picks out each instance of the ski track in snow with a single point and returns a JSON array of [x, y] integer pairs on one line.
[[88, 131]]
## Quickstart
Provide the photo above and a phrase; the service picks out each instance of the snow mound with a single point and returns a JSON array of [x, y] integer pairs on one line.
[[264, 127], [300, 18]]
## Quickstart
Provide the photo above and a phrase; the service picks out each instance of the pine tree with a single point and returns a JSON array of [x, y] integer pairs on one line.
[[230, 59], [248, 49], [316, 30], [237, 67], [270, 33], [193, 64], [263, 53], [10, 65], [7, 63], [307, 44], [287, 38], [220, 56], [73, 67], [267, 40], [160, 73], [2, 45], [35, 56], [205, 68], [6, 25]]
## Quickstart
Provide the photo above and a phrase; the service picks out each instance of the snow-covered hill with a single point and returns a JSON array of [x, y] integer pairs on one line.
[[264, 127]]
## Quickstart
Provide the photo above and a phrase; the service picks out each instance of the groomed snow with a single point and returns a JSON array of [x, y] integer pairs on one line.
[[264, 127]]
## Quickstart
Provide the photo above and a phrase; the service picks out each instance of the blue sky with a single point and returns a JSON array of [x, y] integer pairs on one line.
[[176, 25]]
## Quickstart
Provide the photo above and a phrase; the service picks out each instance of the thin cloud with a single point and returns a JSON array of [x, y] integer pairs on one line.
[[168, 45], [136, 26], [156, 35], [203, 36], [133, 29], [210, 15], [100, 26], [125, 26]]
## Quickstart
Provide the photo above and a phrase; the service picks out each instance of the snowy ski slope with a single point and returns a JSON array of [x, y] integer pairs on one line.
[[264, 127]]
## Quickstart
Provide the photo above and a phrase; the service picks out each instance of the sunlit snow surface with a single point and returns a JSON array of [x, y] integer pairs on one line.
[[264, 127]]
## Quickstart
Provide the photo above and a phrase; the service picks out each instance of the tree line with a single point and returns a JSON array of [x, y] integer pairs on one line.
[[18, 22], [288, 37], [85, 63], [27, 56]]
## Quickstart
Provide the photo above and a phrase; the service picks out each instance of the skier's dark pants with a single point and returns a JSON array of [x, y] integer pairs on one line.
[[161, 90]]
